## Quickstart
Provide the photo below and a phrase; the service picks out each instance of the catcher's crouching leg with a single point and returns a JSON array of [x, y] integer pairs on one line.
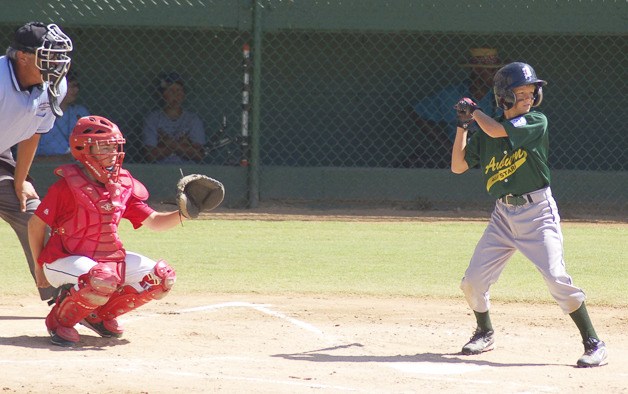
[[156, 286], [94, 289]]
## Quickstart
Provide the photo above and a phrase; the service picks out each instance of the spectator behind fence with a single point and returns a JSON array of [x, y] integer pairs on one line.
[[54, 146], [437, 121], [172, 134]]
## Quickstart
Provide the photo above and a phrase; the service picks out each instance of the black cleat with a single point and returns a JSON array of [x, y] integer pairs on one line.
[[100, 329], [64, 336], [57, 340]]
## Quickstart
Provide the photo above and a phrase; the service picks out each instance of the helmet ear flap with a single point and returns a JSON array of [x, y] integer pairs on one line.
[[508, 100], [538, 96]]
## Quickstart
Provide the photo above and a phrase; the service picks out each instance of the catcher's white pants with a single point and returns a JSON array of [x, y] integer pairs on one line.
[[68, 269], [534, 230]]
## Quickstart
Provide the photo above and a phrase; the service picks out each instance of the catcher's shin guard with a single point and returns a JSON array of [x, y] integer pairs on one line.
[[94, 289], [156, 286]]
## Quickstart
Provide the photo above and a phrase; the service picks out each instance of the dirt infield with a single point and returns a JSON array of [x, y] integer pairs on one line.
[[296, 344], [256, 343]]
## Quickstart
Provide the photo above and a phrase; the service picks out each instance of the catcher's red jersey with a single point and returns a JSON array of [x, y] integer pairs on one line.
[[85, 218]]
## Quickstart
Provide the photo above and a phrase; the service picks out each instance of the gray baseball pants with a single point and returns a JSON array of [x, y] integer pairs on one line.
[[533, 229]]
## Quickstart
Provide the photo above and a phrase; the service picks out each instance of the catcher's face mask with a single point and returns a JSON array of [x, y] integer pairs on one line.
[[52, 58], [51, 48], [53, 61], [107, 154]]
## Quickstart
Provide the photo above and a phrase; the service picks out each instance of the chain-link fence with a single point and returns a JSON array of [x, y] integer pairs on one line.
[[123, 74], [349, 98]]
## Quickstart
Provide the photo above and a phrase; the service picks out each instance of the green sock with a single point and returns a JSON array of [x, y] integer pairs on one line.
[[484, 321], [581, 317]]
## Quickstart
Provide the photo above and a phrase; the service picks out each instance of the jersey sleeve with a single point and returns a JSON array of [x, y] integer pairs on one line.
[[472, 150], [55, 204], [46, 124], [526, 129], [137, 211]]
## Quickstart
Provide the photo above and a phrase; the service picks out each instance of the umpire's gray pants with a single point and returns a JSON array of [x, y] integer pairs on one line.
[[10, 213]]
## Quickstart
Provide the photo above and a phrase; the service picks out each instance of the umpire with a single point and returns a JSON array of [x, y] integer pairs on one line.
[[32, 84]]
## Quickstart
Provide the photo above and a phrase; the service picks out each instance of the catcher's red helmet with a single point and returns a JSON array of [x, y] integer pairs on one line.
[[96, 131]]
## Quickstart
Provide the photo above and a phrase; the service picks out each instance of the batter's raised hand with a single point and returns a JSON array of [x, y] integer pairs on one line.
[[465, 108]]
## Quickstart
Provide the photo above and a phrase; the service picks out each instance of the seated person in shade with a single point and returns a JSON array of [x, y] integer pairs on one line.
[[433, 113], [53, 146], [173, 135]]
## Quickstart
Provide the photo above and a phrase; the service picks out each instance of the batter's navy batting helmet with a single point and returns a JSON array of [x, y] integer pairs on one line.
[[514, 75]]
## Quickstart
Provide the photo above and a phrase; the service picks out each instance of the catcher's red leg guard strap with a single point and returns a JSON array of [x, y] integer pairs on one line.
[[95, 288], [160, 283], [156, 286]]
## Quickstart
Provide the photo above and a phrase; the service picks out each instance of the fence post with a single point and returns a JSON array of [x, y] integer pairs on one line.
[[254, 165]]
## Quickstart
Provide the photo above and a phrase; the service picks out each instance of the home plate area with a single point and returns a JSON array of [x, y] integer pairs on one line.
[[297, 343]]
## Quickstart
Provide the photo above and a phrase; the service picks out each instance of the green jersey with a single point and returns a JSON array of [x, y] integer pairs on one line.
[[516, 164]]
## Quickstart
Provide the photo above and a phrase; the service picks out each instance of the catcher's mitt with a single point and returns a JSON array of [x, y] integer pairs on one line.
[[198, 193]]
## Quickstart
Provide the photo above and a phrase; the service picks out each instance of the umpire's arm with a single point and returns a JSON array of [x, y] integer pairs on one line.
[[36, 240]]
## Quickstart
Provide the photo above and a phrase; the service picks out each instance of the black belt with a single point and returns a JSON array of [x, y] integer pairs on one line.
[[516, 200]]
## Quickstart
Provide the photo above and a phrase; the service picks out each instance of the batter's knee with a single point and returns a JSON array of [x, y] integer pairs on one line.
[[466, 286], [477, 299]]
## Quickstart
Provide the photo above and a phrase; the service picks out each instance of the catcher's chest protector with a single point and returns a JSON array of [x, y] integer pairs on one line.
[[92, 230]]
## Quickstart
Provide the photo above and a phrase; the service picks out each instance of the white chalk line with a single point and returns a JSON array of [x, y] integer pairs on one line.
[[261, 308], [430, 370]]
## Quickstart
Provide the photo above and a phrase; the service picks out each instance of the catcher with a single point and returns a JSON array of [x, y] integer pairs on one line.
[[84, 257]]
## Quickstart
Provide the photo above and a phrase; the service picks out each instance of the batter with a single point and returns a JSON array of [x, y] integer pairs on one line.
[[512, 152]]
